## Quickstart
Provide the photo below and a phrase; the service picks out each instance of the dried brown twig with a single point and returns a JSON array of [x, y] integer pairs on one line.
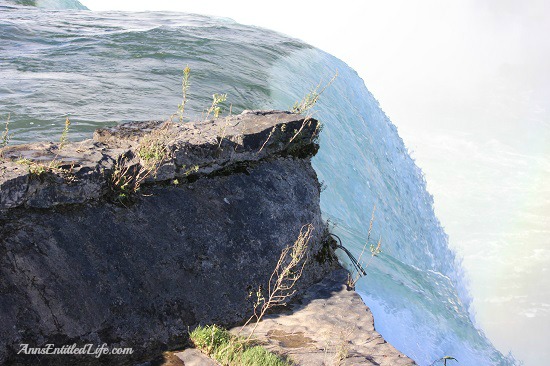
[[281, 285]]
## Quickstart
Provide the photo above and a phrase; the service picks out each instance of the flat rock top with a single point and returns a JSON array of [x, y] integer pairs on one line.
[[44, 175], [329, 326]]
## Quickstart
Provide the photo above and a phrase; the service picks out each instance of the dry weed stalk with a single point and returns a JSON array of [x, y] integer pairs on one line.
[[64, 139], [153, 148], [374, 250], [184, 89], [126, 180], [287, 272], [342, 352], [222, 131], [307, 103], [312, 97], [337, 346], [268, 137], [5, 138]]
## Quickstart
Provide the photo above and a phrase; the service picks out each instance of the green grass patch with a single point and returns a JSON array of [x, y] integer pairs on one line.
[[231, 350]]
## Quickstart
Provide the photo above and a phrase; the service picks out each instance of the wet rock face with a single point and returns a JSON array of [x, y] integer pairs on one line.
[[138, 275]]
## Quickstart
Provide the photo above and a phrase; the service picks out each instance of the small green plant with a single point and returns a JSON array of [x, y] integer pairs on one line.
[[192, 170], [184, 89], [215, 109], [152, 150], [5, 140], [232, 350], [65, 134], [281, 284], [37, 169]]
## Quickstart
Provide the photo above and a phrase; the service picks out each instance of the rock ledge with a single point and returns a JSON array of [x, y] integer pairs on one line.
[[44, 175]]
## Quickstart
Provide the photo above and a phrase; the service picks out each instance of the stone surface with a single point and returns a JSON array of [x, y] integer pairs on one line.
[[193, 357], [76, 268], [80, 172], [328, 325]]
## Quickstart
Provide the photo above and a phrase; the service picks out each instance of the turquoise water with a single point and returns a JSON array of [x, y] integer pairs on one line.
[[102, 68]]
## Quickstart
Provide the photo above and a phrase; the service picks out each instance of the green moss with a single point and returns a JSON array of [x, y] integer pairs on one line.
[[258, 355], [231, 350]]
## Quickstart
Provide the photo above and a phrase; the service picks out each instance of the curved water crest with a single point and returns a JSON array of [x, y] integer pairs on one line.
[[51, 4], [102, 68]]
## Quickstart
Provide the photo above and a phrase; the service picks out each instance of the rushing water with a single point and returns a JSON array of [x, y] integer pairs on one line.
[[102, 68]]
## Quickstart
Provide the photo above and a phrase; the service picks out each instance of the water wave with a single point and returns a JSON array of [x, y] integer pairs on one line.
[[105, 67]]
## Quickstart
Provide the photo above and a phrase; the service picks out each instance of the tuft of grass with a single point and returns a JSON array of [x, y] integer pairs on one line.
[[210, 338], [65, 134], [125, 181], [230, 350], [39, 169], [258, 355]]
